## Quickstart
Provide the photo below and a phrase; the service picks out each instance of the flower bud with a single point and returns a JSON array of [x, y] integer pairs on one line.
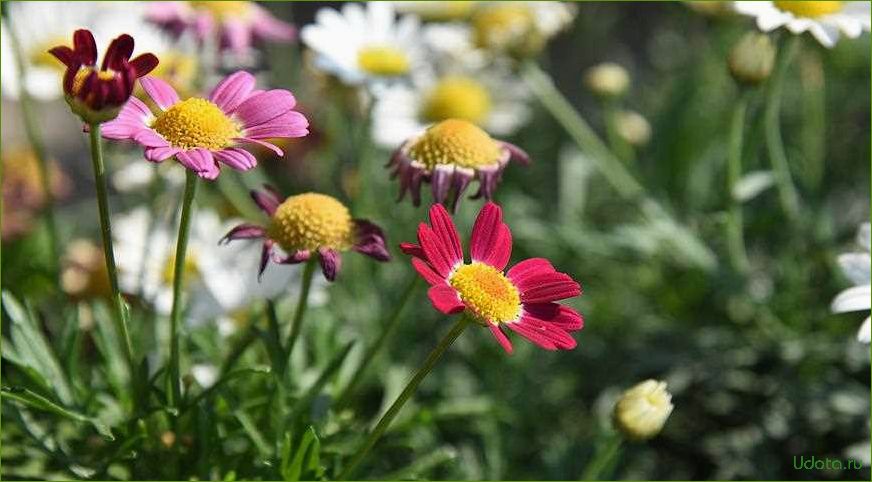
[[633, 128], [607, 80], [642, 410], [752, 58]]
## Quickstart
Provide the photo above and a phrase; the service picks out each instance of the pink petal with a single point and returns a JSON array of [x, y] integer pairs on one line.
[[243, 231], [491, 241], [200, 161], [540, 333], [266, 26], [331, 262], [268, 145], [237, 158], [439, 255], [558, 315], [290, 124], [501, 337], [231, 91], [266, 200], [545, 287], [159, 154], [413, 249], [445, 299], [520, 272], [236, 35], [160, 92], [150, 138], [426, 272], [264, 107], [444, 229]]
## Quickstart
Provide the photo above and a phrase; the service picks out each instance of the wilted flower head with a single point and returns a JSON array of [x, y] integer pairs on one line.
[[856, 267], [518, 29], [308, 224], [521, 299], [200, 132], [23, 193], [235, 25], [449, 155], [97, 95], [607, 79], [752, 59], [824, 20], [642, 410]]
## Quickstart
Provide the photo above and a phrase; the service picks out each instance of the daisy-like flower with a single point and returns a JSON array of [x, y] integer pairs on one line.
[[97, 95], [200, 132], [824, 20], [521, 299], [856, 267], [519, 29], [307, 224], [449, 155], [363, 44], [237, 25]]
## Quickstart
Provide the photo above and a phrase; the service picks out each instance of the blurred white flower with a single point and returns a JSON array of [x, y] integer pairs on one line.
[[824, 20], [438, 11], [519, 28], [364, 43], [204, 374], [856, 267]]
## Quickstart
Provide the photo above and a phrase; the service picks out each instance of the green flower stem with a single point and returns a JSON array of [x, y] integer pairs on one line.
[[735, 225], [34, 137], [108, 250], [787, 194], [405, 395], [302, 304], [274, 343], [605, 457], [174, 394], [389, 328]]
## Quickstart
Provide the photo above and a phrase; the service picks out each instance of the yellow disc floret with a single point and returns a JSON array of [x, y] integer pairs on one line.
[[190, 271], [224, 10], [502, 25], [459, 98], [309, 221], [196, 123], [458, 142], [487, 293], [383, 60], [809, 9]]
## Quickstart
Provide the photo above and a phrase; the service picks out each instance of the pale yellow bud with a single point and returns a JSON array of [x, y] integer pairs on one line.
[[607, 80], [633, 128], [752, 59], [642, 410]]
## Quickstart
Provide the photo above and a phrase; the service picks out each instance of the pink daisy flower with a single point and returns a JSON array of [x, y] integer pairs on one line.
[[521, 299], [237, 25], [201, 132], [308, 224]]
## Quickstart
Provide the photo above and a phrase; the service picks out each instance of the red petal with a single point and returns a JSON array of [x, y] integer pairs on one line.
[[445, 299], [331, 262], [413, 249], [120, 50], [438, 254], [558, 315], [444, 228], [491, 240], [66, 55], [85, 46], [143, 64], [426, 272], [501, 337]]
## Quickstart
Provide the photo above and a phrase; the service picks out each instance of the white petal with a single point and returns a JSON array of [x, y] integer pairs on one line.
[[856, 267], [852, 299], [865, 333]]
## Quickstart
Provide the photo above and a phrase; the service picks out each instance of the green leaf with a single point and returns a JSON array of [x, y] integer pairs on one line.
[[322, 380], [37, 401], [306, 458], [254, 434]]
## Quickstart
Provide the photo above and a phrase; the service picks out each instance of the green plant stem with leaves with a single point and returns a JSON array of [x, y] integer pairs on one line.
[[174, 375], [385, 421], [607, 453], [787, 194], [735, 223]]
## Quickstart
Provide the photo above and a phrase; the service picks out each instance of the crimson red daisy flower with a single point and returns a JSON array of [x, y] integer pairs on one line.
[[521, 299]]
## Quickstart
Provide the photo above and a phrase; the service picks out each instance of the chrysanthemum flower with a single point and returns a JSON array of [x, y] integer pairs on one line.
[[237, 25], [97, 95], [200, 132], [363, 44], [856, 267], [309, 224], [824, 20], [521, 299], [449, 155]]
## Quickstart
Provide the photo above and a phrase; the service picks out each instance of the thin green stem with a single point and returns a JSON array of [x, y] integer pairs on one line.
[[787, 194], [386, 419], [302, 304], [34, 137], [174, 394], [277, 353], [605, 457], [372, 351], [108, 250], [735, 224]]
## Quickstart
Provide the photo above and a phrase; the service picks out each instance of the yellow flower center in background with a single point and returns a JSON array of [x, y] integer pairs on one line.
[[487, 292], [383, 60], [195, 123], [310, 221], [458, 142], [501, 25], [39, 55], [224, 10], [191, 269], [809, 9], [458, 98]]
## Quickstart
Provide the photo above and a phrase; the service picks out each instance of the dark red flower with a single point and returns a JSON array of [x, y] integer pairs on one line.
[[97, 95]]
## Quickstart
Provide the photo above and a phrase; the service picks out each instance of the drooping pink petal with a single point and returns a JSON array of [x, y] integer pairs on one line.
[[200, 161], [237, 158], [265, 106], [243, 231], [331, 262], [294, 258], [290, 124], [276, 149], [231, 91], [266, 253], [160, 92], [159, 154], [370, 240], [266, 200], [444, 229], [426, 272], [445, 299], [491, 240], [501, 337], [517, 154]]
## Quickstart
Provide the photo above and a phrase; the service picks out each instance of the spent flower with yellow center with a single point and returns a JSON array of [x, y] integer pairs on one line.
[[383, 60], [458, 142], [642, 410], [459, 98], [487, 293], [194, 123], [809, 9], [307, 222]]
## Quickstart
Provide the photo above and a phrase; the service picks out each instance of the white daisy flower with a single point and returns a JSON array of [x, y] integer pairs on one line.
[[39, 26], [824, 20], [519, 28], [361, 44], [856, 267]]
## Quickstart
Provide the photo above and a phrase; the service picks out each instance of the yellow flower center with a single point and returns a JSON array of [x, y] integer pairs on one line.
[[459, 98], [487, 293], [455, 141], [383, 60], [39, 55], [223, 10], [191, 269], [84, 72], [809, 9], [502, 25], [196, 122], [310, 221]]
